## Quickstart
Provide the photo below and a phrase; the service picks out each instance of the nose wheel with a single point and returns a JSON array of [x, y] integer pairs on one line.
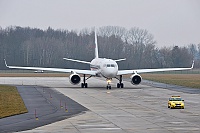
[[108, 87], [108, 84]]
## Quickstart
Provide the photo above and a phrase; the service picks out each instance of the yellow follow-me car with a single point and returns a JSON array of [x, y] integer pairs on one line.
[[175, 102]]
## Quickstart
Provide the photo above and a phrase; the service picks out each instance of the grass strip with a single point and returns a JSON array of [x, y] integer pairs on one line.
[[11, 102], [188, 80]]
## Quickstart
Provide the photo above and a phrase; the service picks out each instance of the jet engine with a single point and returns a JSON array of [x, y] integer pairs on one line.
[[74, 79], [136, 79]]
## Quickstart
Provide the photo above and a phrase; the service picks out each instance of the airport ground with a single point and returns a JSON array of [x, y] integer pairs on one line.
[[141, 108]]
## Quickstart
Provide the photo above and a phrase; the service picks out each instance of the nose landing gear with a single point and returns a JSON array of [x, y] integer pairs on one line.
[[108, 85]]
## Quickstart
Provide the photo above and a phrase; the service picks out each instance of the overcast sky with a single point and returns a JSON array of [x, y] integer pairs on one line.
[[172, 22]]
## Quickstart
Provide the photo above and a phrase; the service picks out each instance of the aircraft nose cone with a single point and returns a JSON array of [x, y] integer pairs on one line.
[[110, 73]]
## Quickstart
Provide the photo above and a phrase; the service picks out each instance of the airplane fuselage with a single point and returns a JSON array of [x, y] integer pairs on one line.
[[107, 68]]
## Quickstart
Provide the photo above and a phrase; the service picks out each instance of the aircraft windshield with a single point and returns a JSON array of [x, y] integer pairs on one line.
[[110, 65]]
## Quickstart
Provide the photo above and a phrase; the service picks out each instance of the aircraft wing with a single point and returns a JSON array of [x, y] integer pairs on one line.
[[123, 72], [88, 72]]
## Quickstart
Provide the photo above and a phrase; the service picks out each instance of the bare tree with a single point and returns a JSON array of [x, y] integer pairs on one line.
[[139, 39], [112, 30]]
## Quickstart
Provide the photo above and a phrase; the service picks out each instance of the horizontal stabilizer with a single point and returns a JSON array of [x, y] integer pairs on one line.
[[120, 60], [77, 60]]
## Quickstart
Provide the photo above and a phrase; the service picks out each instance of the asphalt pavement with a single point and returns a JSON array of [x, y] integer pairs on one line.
[[44, 105]]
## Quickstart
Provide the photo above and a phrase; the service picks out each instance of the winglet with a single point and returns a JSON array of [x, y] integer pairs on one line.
[[192, 65], [5, 63]]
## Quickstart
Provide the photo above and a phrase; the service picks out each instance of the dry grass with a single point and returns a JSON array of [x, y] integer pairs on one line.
[[11, 102], [188, 80]]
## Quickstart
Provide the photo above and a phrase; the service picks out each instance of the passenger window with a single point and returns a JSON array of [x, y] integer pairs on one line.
[[112, 65]]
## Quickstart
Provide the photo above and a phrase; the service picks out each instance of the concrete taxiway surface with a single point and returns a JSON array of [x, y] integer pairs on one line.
[[139, 108]]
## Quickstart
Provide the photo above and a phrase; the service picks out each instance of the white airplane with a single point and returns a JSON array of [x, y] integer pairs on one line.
[[100, 67]]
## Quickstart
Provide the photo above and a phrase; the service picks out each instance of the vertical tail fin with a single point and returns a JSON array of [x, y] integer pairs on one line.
[[96, 46]]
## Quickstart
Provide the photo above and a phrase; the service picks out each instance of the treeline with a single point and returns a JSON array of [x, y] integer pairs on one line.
[[46, 48]]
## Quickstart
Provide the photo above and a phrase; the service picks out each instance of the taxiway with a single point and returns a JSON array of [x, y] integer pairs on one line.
[[140, 109]]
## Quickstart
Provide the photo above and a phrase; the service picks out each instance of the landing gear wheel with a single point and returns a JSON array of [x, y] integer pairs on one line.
[[120, 84], [108, 87], [84, 85]]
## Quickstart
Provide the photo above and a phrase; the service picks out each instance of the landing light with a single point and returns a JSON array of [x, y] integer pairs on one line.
[[109, 81]]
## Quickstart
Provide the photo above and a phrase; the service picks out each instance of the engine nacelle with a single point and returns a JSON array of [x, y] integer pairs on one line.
[[74, 79], [136, 79]]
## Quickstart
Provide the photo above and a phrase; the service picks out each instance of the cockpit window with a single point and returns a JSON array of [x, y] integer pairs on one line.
[[110, 65]]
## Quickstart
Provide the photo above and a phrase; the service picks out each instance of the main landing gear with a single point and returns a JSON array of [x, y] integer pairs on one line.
[[84, 84], [120, 84]]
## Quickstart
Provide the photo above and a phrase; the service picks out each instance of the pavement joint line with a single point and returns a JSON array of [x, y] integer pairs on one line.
[[104, 117], [124, 111], [75, 127], [136, 115], [123, 95]]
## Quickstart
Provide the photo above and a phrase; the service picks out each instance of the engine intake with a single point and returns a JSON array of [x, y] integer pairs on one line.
[[136, 79], [74, 79]]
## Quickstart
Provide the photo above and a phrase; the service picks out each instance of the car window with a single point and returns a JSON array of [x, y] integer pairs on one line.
[[176, 99]]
